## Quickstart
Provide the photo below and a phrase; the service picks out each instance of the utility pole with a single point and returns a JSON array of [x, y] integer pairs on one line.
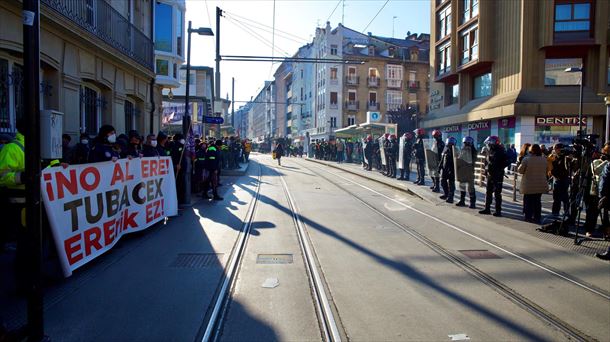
[[33, 228], [343, 14], [217, 71], [233, 102]]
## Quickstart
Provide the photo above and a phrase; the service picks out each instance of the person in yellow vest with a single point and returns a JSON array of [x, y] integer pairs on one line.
[[12, 199], [247, 150]]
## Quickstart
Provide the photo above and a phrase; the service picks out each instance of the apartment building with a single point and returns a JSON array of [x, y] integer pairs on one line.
[[393, 76], [282, 99], [97, 64], [302, 94], [262, 117], [498, 68]]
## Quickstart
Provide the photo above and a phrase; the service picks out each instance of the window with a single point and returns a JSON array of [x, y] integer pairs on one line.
[[333, 49], [373, 73], [372, 97], [470, 9], [301, 94], [301, 73], [393, 99], [90, 110], [572, 17], [175, 71], [351, 96], [555, 74], [333, 122], [130, 116], [333, 73], [453, 94], [371, 51], [482, 85], [394, 75], [444, 22], [443, 58], [163, 27], [351, 120], [333, 98], [11, 95], [469, 42], [180, 32], [351, 72], [162, 67]]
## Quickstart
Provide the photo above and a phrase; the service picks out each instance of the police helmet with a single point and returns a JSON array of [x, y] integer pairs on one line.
[[468, 140], [492, 140], [450, 141]]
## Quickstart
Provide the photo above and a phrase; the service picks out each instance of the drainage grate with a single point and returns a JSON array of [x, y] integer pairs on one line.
[[274, 259], [198, 260], [479, 254]]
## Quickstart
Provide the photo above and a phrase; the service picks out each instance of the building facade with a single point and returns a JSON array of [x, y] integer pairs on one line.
[[498, 68], [302, 94], [283, 98], [97, 64]]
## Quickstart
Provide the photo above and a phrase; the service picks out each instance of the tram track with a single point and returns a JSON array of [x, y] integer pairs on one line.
[[485, 278], [329, 329]]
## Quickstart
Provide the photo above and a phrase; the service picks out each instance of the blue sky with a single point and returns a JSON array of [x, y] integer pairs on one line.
[[241, 31]]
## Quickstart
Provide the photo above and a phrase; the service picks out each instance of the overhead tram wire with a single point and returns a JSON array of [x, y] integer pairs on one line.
[[333, 12], [257, 36], [367, 25], [233, 58], [252, 22], [281, 35], [207, 9]]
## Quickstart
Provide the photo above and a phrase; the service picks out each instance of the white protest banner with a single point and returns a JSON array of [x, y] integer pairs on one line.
[[91, 206]]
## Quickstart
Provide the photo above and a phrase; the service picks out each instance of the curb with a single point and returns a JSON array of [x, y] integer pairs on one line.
[[405, 189], [235, 172]]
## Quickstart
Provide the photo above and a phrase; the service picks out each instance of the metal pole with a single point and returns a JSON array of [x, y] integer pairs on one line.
[[582, 78], [607, 135], [186, 123], [33, 254], [217, 71], [233, 102]]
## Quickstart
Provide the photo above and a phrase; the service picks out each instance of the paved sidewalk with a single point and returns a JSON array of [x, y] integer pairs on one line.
[[510, 209]]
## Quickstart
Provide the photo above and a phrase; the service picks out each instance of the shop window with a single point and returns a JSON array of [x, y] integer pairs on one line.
[[469, 41], [470, 9], [444, 22], [555, 74], [91, 104], [572, 16], [162, 67], [443, 59], [482, 86], [163, 27]]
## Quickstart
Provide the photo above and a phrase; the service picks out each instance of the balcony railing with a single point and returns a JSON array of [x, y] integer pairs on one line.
[[107, 24], [352, 80], [373, 81], [397, 84], [352, 105], [373, 105], [333, 105], [413, 85], [334, 81]]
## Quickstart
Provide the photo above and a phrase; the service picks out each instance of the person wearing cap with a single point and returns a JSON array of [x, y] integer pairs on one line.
[[104, 146], [80, 153], [150, 146]]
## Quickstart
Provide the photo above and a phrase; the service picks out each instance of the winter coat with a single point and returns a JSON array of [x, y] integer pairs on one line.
[[445, 165], [534, 170]]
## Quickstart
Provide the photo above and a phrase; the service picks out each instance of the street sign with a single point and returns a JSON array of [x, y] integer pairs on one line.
[[213, 120]]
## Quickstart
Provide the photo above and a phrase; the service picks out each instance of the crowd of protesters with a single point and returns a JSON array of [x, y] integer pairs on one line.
[[577, 173]]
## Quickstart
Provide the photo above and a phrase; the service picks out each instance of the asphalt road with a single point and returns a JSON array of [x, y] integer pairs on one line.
[[396, 268]]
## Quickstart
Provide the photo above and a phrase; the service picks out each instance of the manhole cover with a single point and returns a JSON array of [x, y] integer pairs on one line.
[[479, 254], [197, 260], [274, 259]]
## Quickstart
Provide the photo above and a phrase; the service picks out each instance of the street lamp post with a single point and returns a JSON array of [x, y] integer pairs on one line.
[[582, 78], [186, 120], [607, 135]]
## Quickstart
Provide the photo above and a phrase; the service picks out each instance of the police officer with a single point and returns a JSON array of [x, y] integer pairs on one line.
[[104, 148], [447, 170], [392, 156], [368, 152], [466, 161], [440, 147], [420, 155], [495, 162], [377, 154], [199, 165], [407, 150]]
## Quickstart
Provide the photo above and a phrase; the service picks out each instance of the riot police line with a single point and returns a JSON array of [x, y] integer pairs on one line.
[[576, 174]]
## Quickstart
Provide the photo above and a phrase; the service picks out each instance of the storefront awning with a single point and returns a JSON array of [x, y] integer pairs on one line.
[[347, 132]]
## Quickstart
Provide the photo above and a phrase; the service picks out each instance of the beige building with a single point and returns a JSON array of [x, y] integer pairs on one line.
[[498, 68], [97, 64], [394, 75]]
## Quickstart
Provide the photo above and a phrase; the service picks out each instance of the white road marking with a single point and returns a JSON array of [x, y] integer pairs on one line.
[[489, 243], [459, 337], [271, 283]]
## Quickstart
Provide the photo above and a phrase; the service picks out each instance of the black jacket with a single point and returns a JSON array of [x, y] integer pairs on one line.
[[407, 150], [393, 149], [149, 151], [495, 162], [446, 166], [419, 150]]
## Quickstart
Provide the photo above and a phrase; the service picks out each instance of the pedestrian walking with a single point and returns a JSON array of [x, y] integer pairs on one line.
[[279, 152], [495, 162], [534, 183]]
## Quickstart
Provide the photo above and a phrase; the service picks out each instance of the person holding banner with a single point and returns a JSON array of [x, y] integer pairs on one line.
[[150, 146], [81, 150], [103, 148]]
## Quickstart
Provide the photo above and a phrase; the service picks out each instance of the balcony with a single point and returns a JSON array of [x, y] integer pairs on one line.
[[107, 24], [395, 84], [352, 105], [373, 81], [333, 105], [352, 80], [334, 81], [413, 86], [373, 105]]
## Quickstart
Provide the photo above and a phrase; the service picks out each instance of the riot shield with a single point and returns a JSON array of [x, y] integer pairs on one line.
[[401, 147], [364, 147], [432, 161], [382, 151], [464, 165]]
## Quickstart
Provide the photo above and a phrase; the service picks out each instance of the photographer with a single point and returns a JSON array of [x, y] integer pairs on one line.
[[558, 163]]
